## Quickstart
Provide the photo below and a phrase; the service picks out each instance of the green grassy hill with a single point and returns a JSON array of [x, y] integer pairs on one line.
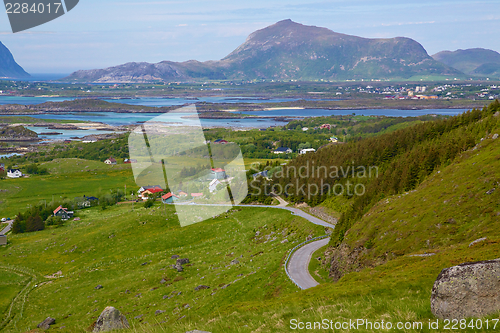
[[128, 253]]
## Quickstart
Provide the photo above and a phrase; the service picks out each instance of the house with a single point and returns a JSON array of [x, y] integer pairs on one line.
[[169, 198], [326, 126], [67, 141], [282, 150], [147, 193], [213, 185], [156, 188], [90, 139], [220, 141], [129, 160], [307, 150], [217, 173], [334, 139], [304, 129], [182, 194], [14, 173], [63, 213], [86, 201], [91, 198], [3, 240], [2, 167], [110, 161], [258, 174], [196, 195]]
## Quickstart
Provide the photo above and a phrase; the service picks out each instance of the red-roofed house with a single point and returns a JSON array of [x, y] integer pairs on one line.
[[169, 198], [196, 195], [63, 213], [147, 193]]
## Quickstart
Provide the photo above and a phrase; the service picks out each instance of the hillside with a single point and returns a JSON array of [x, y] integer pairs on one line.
[[481, 62], [8, 66], [290, 51]]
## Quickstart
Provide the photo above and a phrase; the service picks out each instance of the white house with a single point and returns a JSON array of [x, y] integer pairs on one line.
[[213, 185], [14, 173], [110, 161], [307, 150]]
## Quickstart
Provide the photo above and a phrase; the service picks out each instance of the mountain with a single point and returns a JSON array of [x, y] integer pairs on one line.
[[472, 61], [290, 51], [8, 66]]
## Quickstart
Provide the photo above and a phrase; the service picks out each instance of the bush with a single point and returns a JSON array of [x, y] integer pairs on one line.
[[149, 203]]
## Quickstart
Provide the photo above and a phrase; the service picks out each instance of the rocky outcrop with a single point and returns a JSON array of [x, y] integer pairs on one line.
[[344, 260], [467, 290], [45, 325], [110, 319]]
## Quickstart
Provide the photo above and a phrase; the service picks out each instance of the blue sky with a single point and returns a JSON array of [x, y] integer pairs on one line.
[[102, 33]]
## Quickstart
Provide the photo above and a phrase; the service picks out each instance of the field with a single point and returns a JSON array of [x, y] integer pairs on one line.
[[128, 253]]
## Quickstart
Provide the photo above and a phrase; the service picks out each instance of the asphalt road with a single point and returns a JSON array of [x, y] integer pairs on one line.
[[7, 228], [298, 265]]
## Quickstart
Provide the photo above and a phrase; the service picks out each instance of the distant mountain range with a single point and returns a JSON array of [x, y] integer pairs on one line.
[[477, 62], [8, 66], [290, 51]]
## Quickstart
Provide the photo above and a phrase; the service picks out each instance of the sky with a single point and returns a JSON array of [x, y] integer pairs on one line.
[[102, 33]]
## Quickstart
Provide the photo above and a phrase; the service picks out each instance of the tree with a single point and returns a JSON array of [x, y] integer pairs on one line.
[[34, 223], [18, 227]]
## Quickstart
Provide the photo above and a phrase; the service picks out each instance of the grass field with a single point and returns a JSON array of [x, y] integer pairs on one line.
[[128, 253]]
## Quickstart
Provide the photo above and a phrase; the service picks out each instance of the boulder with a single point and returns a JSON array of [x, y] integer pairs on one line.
[[197, 331], [175, 256], [201, 287], [467, 290], [182, 261], [98, 287], [178, 267], [110, 319], [45, 325]]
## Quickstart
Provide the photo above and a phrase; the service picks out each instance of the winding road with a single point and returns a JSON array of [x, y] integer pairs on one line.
[[7, 228], [298, 265]]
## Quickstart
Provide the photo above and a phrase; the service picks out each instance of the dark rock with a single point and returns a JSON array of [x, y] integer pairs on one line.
[[197, 331], [138, 317], [45, 325], [144, 264], [175, 256], [201, 287], [182, 261], [165, 296], [98, 287], [234, 262], [467, 290], [110, 319], [157, 312], [491, 191], [163, 281]]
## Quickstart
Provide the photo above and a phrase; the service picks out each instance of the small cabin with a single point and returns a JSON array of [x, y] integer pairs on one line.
[[218, 173], [3, 240], [169, 198], [63, 213], [110, 161]]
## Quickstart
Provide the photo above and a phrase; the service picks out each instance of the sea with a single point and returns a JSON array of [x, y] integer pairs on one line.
[[184, 119]]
